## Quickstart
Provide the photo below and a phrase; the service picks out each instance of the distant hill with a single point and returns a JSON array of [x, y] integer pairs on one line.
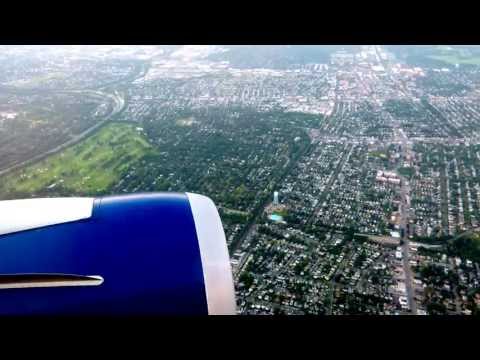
[[277, 56]]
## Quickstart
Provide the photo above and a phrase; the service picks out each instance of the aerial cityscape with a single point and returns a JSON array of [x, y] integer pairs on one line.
[[347, 177]]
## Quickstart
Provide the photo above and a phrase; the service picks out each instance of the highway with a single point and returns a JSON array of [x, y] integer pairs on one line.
[[116, 99], [118, 105]]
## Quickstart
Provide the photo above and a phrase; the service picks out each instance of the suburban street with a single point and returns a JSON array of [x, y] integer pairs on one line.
[[404, 217]]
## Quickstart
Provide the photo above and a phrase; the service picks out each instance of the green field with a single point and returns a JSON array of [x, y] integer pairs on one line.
[[87, 168], [378, 154]]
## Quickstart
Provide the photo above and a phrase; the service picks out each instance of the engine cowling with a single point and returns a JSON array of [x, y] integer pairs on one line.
[[142, 254]]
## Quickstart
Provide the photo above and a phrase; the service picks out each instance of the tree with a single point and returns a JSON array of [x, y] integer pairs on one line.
[[436, 308], [247, 279]]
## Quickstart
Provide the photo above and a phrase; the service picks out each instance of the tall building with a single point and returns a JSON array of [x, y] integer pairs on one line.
[[275, 197]]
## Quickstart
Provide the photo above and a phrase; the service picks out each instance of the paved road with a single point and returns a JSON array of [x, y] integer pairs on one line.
[[321, 198], [250, 232], [257, 213], [404, 217], [118, 106]]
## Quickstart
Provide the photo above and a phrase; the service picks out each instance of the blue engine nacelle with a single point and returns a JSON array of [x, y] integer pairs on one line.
[[146, 254]]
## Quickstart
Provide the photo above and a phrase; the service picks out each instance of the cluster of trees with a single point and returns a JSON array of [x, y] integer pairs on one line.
[[246, 278], [231, 155], [467, 247]]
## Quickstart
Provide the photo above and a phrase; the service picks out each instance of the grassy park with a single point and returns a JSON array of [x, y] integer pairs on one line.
[[89, 167]]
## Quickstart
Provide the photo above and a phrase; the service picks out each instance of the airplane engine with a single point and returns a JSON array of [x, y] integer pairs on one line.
[[133, 255]]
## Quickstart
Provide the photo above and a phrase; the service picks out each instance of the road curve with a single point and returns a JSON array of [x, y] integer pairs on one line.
[[118, 107]]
